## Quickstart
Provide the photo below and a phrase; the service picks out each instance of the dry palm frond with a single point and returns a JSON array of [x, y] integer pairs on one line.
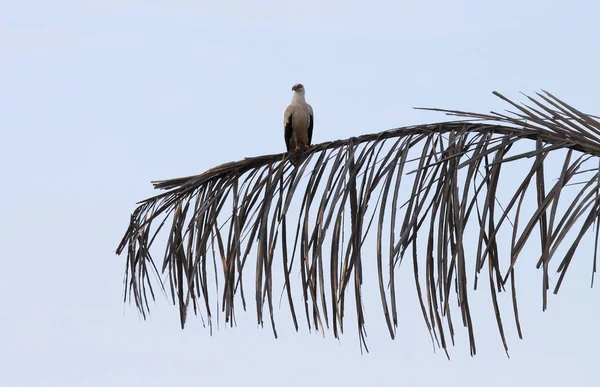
[[429, 193]]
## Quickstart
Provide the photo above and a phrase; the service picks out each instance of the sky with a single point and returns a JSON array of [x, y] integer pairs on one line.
[[98, 98]]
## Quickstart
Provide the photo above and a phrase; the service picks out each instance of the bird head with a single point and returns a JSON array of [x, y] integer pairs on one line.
[[298, 87]]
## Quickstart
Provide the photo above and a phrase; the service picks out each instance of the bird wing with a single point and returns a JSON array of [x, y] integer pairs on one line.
[[310, 124], [287, 124]]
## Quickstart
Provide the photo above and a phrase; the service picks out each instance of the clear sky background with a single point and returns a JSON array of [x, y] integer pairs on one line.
[[98, 98]]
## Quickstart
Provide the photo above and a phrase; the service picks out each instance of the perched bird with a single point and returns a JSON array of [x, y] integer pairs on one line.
[[298, 121]]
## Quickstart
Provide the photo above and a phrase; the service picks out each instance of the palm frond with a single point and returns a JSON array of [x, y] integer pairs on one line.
[[429, 193]]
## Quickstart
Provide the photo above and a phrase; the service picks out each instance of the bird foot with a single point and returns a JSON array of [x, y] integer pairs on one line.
[[297, 148]]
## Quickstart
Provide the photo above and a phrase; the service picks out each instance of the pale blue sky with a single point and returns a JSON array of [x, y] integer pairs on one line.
[[98, 98]]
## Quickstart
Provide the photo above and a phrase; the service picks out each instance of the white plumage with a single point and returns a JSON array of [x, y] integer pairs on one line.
[[298, 121]]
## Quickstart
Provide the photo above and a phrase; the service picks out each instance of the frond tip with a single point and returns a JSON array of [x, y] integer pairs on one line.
[[454, 198]]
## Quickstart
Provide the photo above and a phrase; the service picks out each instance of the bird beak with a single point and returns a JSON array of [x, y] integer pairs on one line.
[[294, 88]]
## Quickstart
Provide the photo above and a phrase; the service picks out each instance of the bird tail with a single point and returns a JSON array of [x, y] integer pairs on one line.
[[295, 158]]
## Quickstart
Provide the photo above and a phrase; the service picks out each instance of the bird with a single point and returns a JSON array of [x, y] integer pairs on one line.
[[298, 121]]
